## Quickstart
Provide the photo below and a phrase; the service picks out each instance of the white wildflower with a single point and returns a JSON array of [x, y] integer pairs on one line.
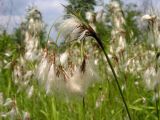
[[64, 57], [1, 98], [51, 78], [73, 84], [8, 53], [35, 27], [81, 80], [100, 100], [90, 16], [17, 74], [143, 99], [8, 102], [72, 28], [148, 17], [99, 16], [5, 61], [26, 116], [68, 25], [151, 78], [42, 70], [96, 61], [35, 21], [136, 83], [121, 44], [123, 87], [114, 5], [31, 55], [30, 91]]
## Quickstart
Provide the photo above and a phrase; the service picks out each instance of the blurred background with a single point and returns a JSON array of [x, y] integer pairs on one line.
[[12, 12]]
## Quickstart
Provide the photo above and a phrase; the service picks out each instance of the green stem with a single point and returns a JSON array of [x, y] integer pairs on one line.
[[49, 32], [49, 35], [113, 71]]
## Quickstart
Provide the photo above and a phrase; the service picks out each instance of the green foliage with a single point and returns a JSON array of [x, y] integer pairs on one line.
[[81, 6], [104, 33], [42, 38], [8, 45], [101, 101], [132, 31]]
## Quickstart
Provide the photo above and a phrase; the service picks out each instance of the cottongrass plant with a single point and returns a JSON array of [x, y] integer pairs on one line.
[[22, 77], [24, 67], [74, 28], [34, 28], [12, 112], [153, 20], [73, 25], [151, 77], [154, 37], [65, 76], [118, 45]]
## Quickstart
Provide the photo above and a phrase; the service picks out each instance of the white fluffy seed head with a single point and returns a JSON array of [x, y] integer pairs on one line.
[[68, 25], [63, 57], [114, 4], [121, 44], [51, 78], [8, 102], [1, 98], [151, 78], [148, 17], [100, 15], [17, 73], [35, 24], [90, 16], [26, 116], [80, 81], [30, 91], [42, 70], [72, 29], [32, 52], [65, 78]]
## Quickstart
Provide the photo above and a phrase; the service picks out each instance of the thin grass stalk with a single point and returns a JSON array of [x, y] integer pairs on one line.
[[84, 107], [113, 71], [48, 37]]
